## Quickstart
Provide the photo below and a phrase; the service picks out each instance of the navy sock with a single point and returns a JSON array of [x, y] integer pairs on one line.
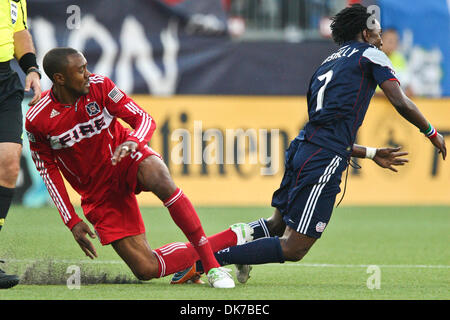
[[264, 250], [6, 196], [260, 229]]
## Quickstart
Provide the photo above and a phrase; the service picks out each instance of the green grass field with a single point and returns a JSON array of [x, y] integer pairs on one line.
[[410, 245]]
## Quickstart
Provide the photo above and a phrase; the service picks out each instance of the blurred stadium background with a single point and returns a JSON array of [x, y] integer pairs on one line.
[[203, 67], [219, 76]]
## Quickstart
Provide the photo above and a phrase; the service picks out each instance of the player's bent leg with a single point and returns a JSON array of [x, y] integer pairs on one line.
[[9, 170], [276, 224], [139, 257], [237, 234], [295, 245], [261, 228], [154, 176], [273, 226]]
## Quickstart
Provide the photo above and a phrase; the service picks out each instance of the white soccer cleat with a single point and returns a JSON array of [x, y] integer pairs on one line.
[[243, 272], [243, 232], [220, 278]]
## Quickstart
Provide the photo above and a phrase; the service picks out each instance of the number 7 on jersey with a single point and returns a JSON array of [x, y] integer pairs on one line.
[[327, 76]]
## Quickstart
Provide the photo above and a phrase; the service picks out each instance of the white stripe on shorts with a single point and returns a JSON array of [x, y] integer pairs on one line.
[[315, 194]]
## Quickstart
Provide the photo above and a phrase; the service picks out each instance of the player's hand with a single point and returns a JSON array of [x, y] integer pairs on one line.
[[32, 81], [389, 157], [79, 232], [123, 150], [439, 142]]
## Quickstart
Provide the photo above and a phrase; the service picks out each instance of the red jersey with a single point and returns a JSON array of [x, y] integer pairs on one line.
[[79, 140]]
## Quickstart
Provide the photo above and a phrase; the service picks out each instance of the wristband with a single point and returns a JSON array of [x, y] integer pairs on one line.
[[34, 69], [27, 61], [371, 152], [430, 132]]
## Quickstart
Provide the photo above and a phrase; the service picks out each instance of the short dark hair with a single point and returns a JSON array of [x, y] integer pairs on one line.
[[55, 61], [347, 23]]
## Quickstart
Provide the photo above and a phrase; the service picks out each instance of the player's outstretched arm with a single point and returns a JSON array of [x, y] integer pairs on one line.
[[389, 157], [384, 157], [410, 112]]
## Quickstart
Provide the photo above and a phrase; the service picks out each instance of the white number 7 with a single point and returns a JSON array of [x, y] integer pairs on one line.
[[327, 76]]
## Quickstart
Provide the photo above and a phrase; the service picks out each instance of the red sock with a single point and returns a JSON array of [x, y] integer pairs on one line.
[[185, 217], [222, 240], [174, 257], [178, 256]]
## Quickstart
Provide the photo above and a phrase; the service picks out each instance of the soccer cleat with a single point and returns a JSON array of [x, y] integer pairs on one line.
[[188, 275], [243, 272], [243, 232], [220, 278], [7, 280]]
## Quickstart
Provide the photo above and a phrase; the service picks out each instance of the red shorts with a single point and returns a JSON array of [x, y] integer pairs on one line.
[[117, 215]]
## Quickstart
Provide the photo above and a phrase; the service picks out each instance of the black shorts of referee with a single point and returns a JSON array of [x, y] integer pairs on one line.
[[11, 96]]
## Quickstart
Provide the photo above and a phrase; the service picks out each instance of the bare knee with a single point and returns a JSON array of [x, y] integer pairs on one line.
[[137, 254], [295, 245], [294, 254], [146, 271], [10, 167]]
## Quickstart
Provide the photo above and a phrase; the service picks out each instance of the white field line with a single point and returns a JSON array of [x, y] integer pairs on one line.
[[64, 261], [400, 266], [313, 265]]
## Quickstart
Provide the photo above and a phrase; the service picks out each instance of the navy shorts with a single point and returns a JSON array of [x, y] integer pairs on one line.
[[309, 187]]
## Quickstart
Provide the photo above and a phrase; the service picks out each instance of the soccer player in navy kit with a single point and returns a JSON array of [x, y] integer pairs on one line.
[[339, 95]]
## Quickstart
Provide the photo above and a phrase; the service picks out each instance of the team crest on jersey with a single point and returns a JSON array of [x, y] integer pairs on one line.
[[92, 109], [320, 226]]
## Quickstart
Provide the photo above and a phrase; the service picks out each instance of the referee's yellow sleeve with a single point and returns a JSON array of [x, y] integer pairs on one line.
[[21, 23]]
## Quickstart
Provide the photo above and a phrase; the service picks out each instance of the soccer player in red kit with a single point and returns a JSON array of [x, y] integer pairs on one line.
[[74, 130]]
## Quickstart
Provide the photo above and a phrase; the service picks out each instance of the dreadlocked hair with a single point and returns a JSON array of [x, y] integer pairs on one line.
[[347, 23]]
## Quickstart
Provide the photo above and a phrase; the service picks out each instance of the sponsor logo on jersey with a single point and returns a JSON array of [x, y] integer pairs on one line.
[[82, 131], [92, 109], [320, 226]]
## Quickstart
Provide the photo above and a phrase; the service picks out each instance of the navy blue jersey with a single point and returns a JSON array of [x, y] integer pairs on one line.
[[339, 94]]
